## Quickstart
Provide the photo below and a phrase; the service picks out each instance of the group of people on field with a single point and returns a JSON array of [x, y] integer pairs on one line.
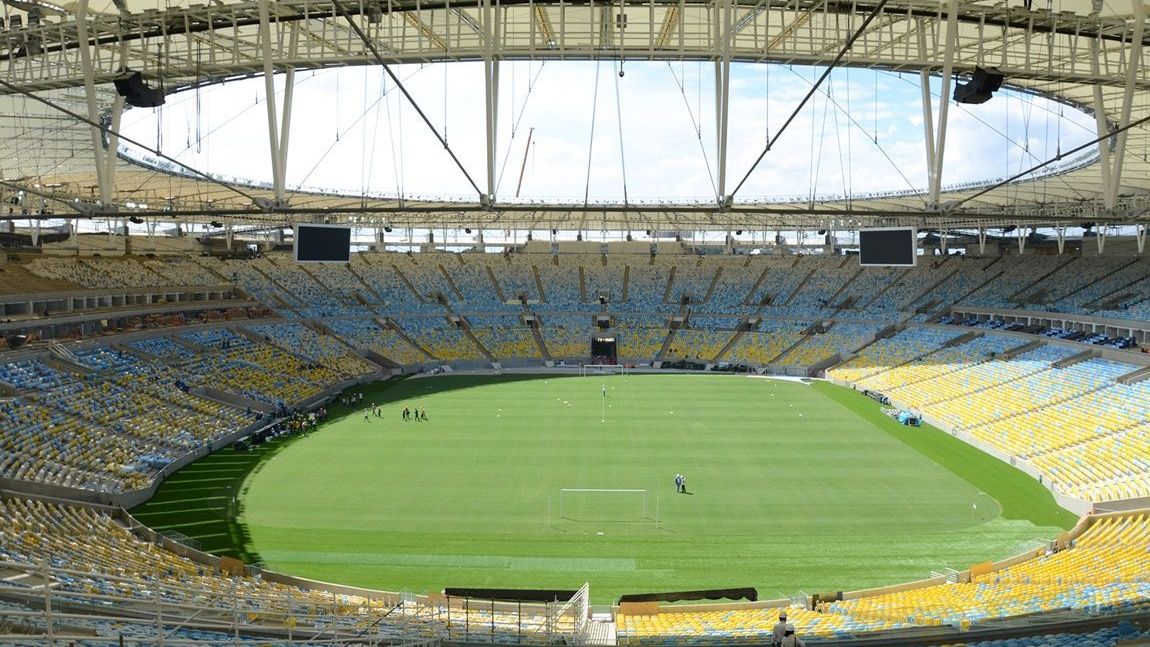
[[414, 414], [417, 414]]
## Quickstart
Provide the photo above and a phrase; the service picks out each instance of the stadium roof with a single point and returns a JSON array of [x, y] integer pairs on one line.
[[61, 60]]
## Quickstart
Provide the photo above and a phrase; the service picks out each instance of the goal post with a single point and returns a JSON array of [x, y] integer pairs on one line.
[[602, 369], [606, 504]]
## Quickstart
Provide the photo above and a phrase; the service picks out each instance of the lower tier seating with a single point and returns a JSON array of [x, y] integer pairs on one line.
[[1104, 569]]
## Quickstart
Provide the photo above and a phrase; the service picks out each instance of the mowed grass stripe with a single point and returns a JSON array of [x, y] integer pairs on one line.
[[1020, 495]]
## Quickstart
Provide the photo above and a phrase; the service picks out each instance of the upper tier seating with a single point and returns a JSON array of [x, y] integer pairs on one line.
[[866, 286], [568, 337], [307, 295], [818, 291], [692, 280], [698, 345], [961, 276], [98, 272], [505, 337], [17, 279], [1018, 275], [942, 361], [640, 338], [783, 277], [842, 338], [319, 349], [646, 285], [886, 353], [737, 275], [560, 279], [344, 282], [603, 277], [516, 277], [478, 291], [183, 271], [368, 335], [445, 343], [763, 346], [811, 287]]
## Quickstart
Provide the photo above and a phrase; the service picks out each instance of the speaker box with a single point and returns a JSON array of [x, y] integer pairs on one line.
[[131, 86], [980, 87]]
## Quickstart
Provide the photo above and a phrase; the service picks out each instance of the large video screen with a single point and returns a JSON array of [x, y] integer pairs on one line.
[[322, 244], [888, 247]]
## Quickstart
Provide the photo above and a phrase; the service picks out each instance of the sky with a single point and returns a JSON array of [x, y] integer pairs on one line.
[[649, 135]]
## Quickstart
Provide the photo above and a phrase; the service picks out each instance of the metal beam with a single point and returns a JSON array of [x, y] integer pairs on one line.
[[826, 72], [723, 92], [1102, 128], [1048, 162], [111, 155], [339, 7], [91, 101], [1133, 63], [935, 187], [491, 95], [270, 97], [927, 101]]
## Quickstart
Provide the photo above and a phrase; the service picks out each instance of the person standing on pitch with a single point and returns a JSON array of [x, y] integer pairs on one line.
[[780, 629], [678, 483], [683, 483]]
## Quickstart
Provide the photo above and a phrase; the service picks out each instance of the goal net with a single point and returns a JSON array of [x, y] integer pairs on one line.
[[602, 369], [583, 504]]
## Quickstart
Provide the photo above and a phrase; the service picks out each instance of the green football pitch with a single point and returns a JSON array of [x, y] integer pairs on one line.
[[792, 487]]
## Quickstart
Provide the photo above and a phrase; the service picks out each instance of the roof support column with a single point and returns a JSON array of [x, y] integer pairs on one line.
[[1101, 128], [89, 72], [1140, 238], [927, 103], [725, 15], [491, 93], [982, 241], [1061, 230], [113, 144], [270, 100], [1133, 62], [285, 133], [939, 152]]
